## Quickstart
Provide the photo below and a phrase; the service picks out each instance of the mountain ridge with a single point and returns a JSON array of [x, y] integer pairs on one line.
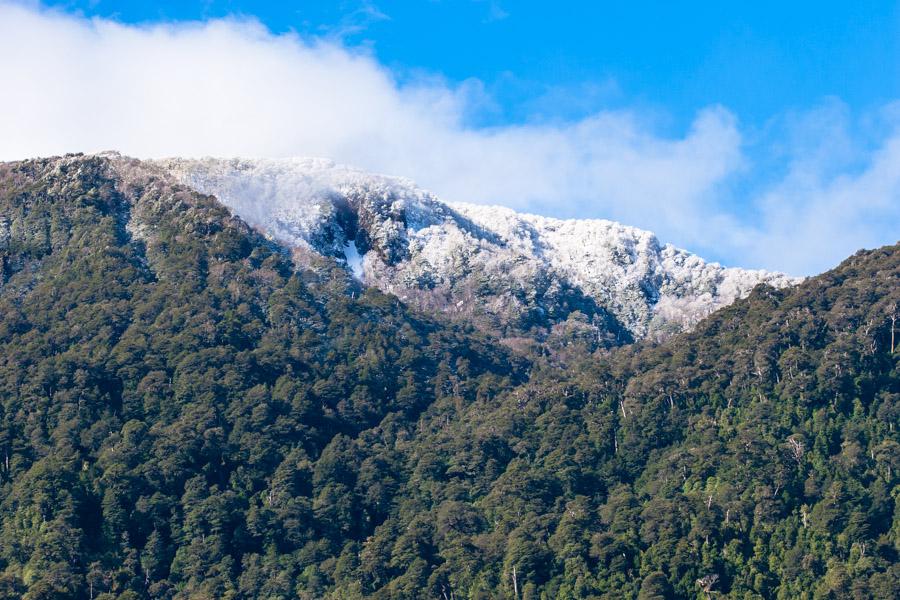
[[515, 273]]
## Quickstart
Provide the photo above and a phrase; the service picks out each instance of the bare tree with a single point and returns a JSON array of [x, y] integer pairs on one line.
[[796, 449], [888, 453], [892, 315], [707, 583]]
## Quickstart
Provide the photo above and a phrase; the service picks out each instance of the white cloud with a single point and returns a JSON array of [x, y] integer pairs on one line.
[[231, 87], [838, 195]]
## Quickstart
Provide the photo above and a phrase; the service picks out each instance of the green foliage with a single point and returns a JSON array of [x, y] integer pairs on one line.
[[185, 414]]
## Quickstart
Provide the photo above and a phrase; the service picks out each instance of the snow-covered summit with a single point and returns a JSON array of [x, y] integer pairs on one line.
[[508, 271], [299, 201], [649, 286]]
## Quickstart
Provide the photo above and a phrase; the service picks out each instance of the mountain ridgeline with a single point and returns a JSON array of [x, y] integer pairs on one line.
[[517, 276], [191, 409]]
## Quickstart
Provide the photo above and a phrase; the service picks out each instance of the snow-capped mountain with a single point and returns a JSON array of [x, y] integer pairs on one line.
[[508, 272]]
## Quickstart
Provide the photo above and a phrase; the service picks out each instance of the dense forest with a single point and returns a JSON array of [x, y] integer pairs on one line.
[[186, 413]]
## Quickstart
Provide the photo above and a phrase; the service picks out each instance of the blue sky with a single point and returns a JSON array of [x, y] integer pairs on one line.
[[565, 59], [764, 135]]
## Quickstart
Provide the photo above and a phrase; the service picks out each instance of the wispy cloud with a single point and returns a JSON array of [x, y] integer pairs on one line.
[[840, 190], [495, 12], [230, 87], [355, 21]]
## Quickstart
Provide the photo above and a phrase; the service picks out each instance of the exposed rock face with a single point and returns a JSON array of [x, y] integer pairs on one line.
[[508, 272]]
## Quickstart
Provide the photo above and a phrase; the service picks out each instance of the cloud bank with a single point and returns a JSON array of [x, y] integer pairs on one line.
[[232, 88]]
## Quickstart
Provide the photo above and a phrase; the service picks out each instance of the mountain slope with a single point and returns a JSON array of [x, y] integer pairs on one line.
[[185, 413], [513, 274], [754, 457], [163, 366]]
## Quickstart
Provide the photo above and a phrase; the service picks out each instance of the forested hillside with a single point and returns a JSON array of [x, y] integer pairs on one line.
[[188, 414]]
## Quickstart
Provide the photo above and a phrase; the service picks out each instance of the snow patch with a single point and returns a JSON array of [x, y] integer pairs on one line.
[[354, 260]]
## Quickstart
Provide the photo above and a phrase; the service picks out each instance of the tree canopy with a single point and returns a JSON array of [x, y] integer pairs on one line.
[[185, 413]]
